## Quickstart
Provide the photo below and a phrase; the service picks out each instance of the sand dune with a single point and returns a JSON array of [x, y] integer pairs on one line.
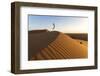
[[54, 45], [80, 36], [83, 42]]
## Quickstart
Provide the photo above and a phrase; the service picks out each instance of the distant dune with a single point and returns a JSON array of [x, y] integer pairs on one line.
[[81, 36], [54, 45]]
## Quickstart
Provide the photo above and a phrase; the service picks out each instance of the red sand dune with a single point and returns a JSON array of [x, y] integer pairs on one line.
[[54, 45]]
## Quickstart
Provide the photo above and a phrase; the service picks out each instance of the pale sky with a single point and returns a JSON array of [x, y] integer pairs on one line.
[[65, 24]]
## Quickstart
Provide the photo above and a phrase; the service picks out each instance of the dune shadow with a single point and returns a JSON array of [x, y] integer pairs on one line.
[[38, 40]]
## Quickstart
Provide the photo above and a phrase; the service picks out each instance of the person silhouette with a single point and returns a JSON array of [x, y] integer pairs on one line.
[[53, 26]]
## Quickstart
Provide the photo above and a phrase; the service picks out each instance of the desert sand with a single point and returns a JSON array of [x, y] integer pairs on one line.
[[46, 45], [83, 42]]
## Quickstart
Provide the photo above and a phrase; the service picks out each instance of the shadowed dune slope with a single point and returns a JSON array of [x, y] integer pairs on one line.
[[54, 45]]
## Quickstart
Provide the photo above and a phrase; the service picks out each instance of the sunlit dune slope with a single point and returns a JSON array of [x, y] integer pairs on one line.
[[83, 42], [55, 45]]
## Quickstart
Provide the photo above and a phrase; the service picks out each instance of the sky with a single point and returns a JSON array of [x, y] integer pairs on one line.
[[65, 24]]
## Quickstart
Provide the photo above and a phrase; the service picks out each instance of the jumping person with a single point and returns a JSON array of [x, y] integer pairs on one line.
[[53, 26]]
